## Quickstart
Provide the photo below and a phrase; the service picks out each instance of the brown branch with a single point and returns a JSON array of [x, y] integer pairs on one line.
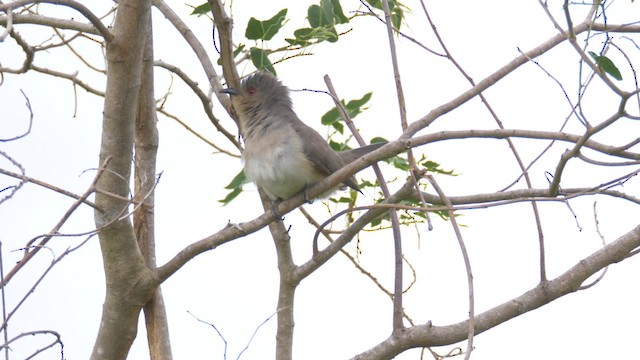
[[428, 335], [198, 49], [30, 252], [47, 186], [104, 31], [204, 99], [434, 114], [514, 151], [37, 19], [467, 264]]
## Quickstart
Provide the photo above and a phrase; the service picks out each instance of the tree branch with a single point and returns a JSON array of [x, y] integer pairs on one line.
[[427, 335], [102, 29]]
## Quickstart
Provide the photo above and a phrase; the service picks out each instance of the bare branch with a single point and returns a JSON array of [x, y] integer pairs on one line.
[[542, 294], [28, 131], [38, 19], [104, 31], [206, 102], [30, 253], [467, 264], [27, 179], [13, 188]]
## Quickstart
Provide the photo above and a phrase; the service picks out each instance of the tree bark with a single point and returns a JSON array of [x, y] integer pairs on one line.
[[129, 284], [146, 151]]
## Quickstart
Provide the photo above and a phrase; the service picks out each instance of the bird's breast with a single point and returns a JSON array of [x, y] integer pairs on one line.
[[275, 161]]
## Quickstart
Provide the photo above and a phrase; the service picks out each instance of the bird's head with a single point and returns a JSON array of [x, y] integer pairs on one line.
[[259, 95]]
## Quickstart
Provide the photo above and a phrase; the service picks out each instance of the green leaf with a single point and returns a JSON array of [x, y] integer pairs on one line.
[[238, 180], [330, 116], [309, 36], [338, 126], [320, 16], [237, 51], [338, 14], [260, 60], [321, 19], [434, 167], [396, 17], [302, 37], [377, 139], [201, 9], [400, 163], [235, 186], [336, 146], [230, 196], [378, 4], [605, 64], [265, 30], [343, 199], [353, 108]]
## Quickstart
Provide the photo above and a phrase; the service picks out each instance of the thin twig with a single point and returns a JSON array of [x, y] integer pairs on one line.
[[467, 264], [28, 131], [30, 253]]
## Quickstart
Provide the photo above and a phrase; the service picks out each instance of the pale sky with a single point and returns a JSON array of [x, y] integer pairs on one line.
[[339, 312]]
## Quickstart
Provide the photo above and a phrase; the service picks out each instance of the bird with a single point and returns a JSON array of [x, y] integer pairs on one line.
[[282, 155]]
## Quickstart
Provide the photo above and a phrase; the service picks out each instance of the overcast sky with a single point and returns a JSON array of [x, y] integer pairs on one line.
[[339, 313]]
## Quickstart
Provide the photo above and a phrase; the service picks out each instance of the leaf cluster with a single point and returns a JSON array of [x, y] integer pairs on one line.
[[322, 20]]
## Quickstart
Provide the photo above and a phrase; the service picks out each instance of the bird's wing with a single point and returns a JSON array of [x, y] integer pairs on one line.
[[321, 155], [349, 156]]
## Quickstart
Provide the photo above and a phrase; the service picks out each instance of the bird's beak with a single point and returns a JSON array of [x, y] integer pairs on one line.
[[230, 91]]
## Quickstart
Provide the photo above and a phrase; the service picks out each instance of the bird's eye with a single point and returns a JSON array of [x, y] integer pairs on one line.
[[251, 90]]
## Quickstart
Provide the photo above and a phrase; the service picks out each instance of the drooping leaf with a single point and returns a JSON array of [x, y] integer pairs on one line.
[[201, 9], [397, 15], [338, 14], [606, 65], [235, 186], [260, 60], [338, 126], [265, 29], [238, 181], [230, 196], [320, 16]]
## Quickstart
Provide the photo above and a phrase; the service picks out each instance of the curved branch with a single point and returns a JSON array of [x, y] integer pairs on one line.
[[206, 103], [428, 335], [52, 22], [28, 58], [198, 49], [102, 29], [509, 68], [71, 77]]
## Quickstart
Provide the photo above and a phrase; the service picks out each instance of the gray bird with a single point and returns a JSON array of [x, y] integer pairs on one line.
[[283, 155]]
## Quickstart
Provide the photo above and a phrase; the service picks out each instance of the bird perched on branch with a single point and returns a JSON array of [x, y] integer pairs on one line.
[[283, 155]]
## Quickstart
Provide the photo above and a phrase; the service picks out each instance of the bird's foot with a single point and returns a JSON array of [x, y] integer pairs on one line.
[[306, 196], [274, 208]]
